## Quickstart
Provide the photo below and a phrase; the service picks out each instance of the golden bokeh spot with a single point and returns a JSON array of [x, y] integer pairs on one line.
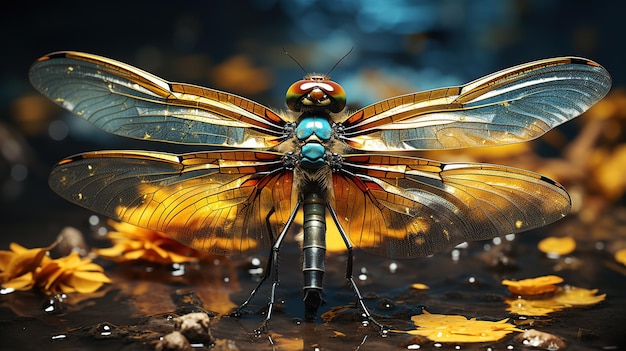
[[420, 286], [620, 256], [557, 246]]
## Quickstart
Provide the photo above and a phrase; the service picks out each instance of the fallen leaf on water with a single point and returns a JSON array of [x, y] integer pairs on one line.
[[134, 243], [455, 328], [573, 296], [287, 343], [533, 286], [566, 297], [71, 274], [17, 266], [24, 269]]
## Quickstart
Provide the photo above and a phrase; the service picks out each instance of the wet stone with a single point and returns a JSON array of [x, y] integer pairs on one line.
[[174, 341], [195, 327], [540, 340]]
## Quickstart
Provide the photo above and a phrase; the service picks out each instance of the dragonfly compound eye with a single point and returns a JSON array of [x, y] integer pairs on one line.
[[316, 93]]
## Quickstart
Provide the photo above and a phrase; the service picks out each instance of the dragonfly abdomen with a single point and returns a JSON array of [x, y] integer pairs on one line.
[[313, 252]]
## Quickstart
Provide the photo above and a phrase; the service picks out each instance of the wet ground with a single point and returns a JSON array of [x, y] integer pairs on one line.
[[137, 309]]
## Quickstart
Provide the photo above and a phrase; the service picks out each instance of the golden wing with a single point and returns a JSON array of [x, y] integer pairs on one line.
[[127, 101], [513, 105], [217, 202], [403, 207]]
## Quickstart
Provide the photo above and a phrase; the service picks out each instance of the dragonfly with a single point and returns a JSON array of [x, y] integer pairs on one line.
[[260, 167]]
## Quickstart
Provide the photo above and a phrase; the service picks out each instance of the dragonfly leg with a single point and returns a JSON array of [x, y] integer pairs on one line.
[[238, 312], [384, 331], [271, 269]]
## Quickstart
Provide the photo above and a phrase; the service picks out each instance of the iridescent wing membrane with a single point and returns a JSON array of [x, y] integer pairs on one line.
[[408, 207], [403, 207], [215, 202], [234, 202], [126, 101], [513, 105]]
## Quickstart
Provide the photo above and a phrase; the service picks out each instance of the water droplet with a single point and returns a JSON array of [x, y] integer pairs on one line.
[[178, 270], [393, 267], [58, 130], [456, 254], [54, 305], [19, 172], [94, 220], [6, 291], [463, 245]]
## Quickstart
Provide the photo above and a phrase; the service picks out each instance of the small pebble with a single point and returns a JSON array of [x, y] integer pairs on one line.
[[541, 340], [195, 327], [174, 341]]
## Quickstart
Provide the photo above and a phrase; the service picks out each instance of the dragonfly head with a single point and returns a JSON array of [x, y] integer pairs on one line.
[[316, 92]]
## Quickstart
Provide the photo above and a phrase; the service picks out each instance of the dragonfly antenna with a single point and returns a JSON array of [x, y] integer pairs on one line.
[[294, 60], [339, 61]]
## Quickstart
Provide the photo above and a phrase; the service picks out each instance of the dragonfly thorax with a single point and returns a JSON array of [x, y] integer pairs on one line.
[[313, 131], [313, 125]]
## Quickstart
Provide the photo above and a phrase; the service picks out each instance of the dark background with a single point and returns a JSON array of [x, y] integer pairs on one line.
[[399, 46]]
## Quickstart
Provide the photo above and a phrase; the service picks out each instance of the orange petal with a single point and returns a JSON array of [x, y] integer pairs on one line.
[[23, 260], [23, 282]]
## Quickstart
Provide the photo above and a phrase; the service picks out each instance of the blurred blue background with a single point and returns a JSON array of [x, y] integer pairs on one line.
[[399, 46]]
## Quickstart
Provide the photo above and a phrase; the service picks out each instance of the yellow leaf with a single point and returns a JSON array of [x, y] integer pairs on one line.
[[533, 286], [134, 243], [455, 328], [565, 298], [574, 296]]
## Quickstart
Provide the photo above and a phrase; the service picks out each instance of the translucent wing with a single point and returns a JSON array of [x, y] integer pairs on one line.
[[216, 202], [409, 207], [127, 101], [513, 105]]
